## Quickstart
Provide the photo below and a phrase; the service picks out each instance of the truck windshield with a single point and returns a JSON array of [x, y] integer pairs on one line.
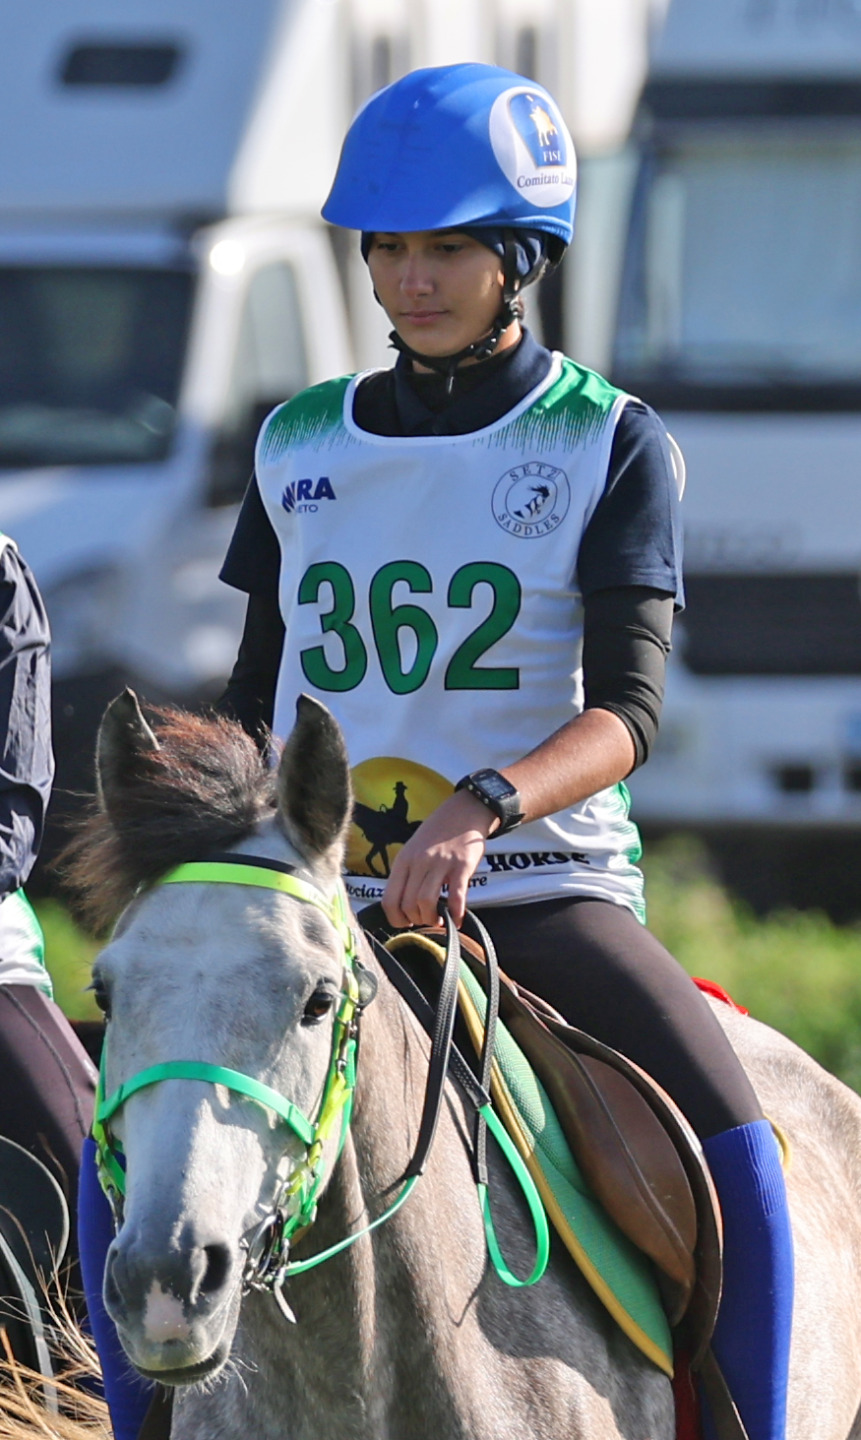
[[90, 363], [743, 274]]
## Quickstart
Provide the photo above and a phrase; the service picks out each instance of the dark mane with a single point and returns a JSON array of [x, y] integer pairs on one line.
[[205, 788]]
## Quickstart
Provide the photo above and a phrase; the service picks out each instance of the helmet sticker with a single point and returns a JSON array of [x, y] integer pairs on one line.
[[532, 147]]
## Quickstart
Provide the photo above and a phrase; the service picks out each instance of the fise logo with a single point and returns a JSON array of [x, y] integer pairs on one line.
[[303, 496]]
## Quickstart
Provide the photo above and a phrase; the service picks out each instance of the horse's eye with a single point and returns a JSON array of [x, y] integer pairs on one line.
[[101, 995], [318, 1006]]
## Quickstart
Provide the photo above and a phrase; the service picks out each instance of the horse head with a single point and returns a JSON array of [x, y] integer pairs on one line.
[[226, 977]]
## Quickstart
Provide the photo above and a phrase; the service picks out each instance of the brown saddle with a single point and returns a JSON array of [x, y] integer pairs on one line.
[[635, 1148]]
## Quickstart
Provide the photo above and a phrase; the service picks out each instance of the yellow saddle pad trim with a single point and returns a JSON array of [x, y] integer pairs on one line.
[[620, 1275]]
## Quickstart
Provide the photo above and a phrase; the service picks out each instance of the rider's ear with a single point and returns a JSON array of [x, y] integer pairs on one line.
[[315, 797], [124, 738]]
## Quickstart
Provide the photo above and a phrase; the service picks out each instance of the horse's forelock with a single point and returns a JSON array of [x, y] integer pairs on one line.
[[206, 787]]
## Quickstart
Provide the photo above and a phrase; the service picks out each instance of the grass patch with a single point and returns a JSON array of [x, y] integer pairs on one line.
[[795, 970], [69, 954]]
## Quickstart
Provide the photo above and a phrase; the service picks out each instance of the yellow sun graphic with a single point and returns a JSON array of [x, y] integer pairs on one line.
[[392, 797]]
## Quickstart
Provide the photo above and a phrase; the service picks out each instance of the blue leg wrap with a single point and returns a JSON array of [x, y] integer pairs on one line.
[[751, 1339], [127, 1393]]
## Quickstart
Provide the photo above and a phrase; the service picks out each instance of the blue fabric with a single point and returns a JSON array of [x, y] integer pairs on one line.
[[751, 1339], [127, 1393], [434, 151], [529, 245]]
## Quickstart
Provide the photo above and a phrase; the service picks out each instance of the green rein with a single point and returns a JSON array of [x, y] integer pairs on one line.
[[297, 1205]]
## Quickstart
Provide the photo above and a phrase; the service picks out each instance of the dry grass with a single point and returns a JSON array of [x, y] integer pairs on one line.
[[25, 1412]]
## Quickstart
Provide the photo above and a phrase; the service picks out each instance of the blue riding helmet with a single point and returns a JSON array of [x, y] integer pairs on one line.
[[454, 147]]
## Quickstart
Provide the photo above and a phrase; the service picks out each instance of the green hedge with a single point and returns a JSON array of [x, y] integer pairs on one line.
[[69, 954], [796, 971]]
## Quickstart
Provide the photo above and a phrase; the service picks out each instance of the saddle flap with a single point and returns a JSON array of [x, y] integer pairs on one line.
[[635, 1148], [624, 1152]]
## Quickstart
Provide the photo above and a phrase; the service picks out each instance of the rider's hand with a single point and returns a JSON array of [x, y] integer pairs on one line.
[[444, 851]]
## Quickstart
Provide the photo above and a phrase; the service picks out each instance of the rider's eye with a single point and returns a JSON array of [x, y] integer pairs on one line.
[[318, 1006], [101, 995]]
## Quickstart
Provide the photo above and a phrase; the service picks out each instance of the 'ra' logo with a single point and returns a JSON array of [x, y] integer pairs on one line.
[[302, 495]]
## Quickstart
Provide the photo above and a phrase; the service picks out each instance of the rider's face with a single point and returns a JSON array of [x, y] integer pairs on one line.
[[441, 289]]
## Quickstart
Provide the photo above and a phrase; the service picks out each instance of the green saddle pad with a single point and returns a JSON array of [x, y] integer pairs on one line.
[[621, 1276]]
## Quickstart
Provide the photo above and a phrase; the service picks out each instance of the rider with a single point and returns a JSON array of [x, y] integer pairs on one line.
[[47, 1081], [473, 558], [483, 587]]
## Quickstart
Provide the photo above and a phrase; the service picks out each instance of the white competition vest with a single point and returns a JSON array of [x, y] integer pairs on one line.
[[429, 592]]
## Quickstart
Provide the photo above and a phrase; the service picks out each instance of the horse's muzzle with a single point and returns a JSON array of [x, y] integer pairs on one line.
[[172, 1308]]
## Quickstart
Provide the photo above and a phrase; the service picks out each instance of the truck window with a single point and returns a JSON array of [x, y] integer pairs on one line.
[[743, 276], [90, 363], [269, 367]]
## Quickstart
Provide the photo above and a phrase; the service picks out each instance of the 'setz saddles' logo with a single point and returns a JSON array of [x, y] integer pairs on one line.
[[531, 500]]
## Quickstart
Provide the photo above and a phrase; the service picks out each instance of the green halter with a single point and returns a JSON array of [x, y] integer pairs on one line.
[[268, 1260], [306, 1178]]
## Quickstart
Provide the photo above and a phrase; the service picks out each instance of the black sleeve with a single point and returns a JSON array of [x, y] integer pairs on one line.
[[626, 640], [253, 559], [634, 536], [26, 758], [250, 693]]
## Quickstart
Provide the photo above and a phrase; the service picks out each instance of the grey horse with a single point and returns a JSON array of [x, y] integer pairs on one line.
[[408, 1333]]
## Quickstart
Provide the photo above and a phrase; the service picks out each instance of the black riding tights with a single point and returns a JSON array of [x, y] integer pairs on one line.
[[609, 976]]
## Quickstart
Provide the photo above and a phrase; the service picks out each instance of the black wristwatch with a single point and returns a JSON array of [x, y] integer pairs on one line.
[[498, 794]]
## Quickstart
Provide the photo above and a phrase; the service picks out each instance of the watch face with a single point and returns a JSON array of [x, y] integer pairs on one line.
[[493, 784]]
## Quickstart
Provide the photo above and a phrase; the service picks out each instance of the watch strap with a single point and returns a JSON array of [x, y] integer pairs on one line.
[[505, 806]]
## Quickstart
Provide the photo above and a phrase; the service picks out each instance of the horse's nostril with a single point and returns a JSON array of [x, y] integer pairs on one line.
[[111, 1289], [217, 1267]]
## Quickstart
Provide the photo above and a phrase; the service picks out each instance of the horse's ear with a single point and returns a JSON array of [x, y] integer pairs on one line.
[[124, 736], [315, 797]]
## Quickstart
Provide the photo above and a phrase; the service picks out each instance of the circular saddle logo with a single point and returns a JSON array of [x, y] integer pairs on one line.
[[531, 499]]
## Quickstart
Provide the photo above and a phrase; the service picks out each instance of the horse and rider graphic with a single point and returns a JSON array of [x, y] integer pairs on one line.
[[392, 796], [390, 825]]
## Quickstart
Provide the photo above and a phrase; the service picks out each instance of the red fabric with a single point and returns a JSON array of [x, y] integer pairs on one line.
[[717, 992], [688, 1419]]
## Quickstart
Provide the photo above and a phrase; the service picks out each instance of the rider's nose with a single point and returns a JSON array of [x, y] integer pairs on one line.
[[415, 278]]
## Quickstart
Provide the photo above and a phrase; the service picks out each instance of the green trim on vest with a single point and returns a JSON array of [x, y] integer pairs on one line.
[[313, 417], [572, 411]]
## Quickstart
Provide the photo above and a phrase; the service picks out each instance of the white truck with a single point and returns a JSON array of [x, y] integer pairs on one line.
[[739, 318], [165, 279]]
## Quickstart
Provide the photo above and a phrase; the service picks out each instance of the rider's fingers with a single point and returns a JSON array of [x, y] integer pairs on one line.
[[393, 896], [458, 887], [421, 885]]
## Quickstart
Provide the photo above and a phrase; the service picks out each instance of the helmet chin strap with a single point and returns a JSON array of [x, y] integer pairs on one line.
[[448, 364], [510, 310]]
